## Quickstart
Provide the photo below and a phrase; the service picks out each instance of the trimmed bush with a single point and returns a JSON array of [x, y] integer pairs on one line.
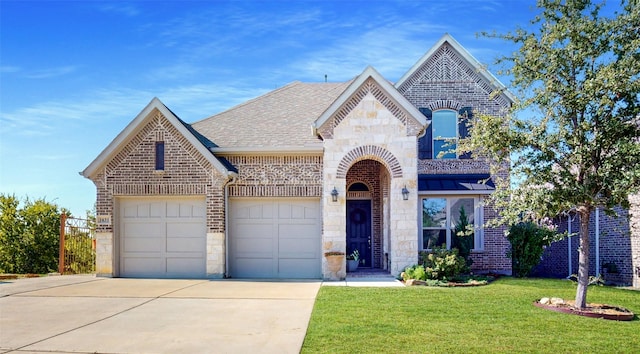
[[528, 241]]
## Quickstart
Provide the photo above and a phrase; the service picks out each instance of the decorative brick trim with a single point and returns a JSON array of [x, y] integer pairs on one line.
[[277, 176], [159, 189], [372, 152], [446, 66], [274, 191], [444, 104]]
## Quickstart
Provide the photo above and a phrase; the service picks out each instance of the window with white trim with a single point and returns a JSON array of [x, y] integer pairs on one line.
[[449, 220]]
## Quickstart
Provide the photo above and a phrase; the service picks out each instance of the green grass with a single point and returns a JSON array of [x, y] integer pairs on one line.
[[498, 317]]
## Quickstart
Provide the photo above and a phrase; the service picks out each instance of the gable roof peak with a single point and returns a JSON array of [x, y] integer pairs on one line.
[[368, 73], [470, 60], [136, 125]]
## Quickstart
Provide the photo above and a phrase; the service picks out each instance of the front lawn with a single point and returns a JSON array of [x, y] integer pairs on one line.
[[498, 317]]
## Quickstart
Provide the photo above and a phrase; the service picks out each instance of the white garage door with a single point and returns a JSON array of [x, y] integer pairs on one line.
[[163, 237], [275, 238]]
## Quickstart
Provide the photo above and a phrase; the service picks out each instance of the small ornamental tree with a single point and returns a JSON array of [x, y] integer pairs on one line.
[[577, 72]]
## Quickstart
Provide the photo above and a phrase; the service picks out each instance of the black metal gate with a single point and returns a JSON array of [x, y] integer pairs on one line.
[[77, 246]]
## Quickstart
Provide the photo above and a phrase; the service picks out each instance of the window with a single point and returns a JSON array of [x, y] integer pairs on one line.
[[449, 220], [445, 134], [159, 155]]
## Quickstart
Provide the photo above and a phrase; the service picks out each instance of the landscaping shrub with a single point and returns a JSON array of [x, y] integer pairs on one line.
[[443, 264], [528, 241], [29, 236], [414, 272]]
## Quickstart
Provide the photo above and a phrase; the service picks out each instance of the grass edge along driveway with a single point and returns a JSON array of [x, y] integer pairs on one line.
[[498, 317]]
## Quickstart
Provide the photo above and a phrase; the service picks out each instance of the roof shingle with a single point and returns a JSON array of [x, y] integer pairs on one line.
[[280, 118]]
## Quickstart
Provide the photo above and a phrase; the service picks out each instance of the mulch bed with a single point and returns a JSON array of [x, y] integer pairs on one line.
[[604, 311]]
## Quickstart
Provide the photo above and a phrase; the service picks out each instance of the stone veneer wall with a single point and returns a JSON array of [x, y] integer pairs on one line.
[[390, 140], [132, 173]]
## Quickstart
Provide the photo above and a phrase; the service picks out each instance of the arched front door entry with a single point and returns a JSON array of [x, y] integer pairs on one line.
[[359, 230], [359, 223]]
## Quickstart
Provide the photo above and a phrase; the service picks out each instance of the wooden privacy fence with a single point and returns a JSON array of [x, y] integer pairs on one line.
[[77, 246]]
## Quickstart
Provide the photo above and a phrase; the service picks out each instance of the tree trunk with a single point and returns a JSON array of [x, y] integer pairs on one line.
[[583, 257]]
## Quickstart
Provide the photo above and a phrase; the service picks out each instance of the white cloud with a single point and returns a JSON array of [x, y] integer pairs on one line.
[[122, 8], [52, 72], [7, 69]]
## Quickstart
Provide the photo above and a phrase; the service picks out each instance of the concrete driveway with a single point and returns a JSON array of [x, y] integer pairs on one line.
[[85, 314]]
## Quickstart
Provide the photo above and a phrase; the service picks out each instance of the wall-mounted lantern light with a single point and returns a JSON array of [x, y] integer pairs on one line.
[[405, 193], [334, 194]]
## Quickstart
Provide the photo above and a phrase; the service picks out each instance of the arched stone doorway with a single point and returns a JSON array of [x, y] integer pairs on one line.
[[367, 184]]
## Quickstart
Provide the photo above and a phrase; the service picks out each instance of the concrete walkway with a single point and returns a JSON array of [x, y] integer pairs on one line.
[[85, 314]]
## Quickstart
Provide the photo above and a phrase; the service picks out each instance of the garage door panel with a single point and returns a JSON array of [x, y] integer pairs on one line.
[[185, 244], [140, 266], [247, 247], [299, 268], [142, 245], [256, 267], [184, 229], [162, 237], [184, 210], [184, 267], [299, 231], [275, 238]]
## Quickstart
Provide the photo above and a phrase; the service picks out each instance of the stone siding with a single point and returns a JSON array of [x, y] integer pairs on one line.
[[132, 173], [391, 139]]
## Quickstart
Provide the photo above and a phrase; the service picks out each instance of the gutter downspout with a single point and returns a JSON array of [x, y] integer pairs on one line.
[[569, 245], [597, 241], [232, 180]]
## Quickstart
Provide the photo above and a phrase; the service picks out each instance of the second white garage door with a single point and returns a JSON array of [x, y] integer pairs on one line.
[[275, 238], [163, 237]]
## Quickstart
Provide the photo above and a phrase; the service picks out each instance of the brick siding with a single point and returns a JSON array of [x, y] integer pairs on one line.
[[132, 173], [618, 245]]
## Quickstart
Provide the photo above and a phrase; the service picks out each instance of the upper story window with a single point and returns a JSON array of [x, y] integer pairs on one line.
[[440, 140], [159, 155], [445, 134]]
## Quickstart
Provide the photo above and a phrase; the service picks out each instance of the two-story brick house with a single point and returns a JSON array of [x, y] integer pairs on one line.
[[264, 189]]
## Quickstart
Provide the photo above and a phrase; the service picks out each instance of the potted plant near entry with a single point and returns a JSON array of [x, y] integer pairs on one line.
[[334, 260], [352, 261]]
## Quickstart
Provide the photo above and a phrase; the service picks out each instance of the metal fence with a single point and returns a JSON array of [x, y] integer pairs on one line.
[[77, 246]]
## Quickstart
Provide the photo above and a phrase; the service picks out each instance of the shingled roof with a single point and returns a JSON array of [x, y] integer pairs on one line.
[[276, 120]]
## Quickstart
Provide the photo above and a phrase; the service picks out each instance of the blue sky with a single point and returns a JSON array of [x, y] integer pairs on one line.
[[73, 74]]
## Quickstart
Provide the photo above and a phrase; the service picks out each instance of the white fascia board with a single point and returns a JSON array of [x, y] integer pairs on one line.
[[470, 59]]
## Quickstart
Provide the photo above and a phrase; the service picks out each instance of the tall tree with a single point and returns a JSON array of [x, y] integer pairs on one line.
[[572, 141]]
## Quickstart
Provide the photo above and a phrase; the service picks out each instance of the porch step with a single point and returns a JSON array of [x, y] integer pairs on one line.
[[370, 273]]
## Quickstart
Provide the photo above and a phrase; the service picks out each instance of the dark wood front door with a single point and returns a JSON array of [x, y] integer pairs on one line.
[[359, 230]]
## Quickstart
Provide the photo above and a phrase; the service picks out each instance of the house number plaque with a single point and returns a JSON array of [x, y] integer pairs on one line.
[[103, 220]]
